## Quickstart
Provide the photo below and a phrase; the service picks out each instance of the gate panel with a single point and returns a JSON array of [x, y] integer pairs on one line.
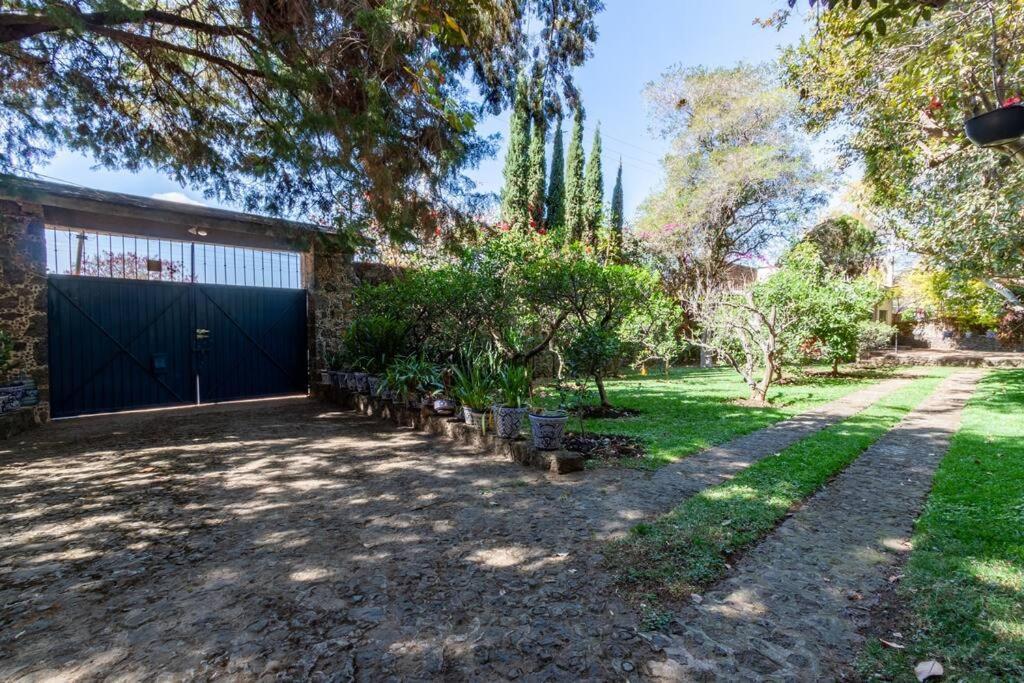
[[255, 342], [118, 344]]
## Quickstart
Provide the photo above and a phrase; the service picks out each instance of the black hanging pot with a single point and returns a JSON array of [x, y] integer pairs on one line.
[[997, 127]]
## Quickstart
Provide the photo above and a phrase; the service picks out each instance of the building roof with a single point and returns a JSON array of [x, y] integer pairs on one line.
[[76, 206]]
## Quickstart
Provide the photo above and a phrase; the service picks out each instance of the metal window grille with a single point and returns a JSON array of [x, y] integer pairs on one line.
[[71, 251]]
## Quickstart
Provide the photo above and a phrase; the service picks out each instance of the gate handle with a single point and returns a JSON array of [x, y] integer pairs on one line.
[[202, 333]]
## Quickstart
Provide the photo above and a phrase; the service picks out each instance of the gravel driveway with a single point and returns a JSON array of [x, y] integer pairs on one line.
[[284, 539]]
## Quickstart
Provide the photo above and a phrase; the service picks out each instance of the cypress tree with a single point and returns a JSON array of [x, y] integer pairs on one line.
[[556, 183], [575, 207], [593, 192], [516, 190], [538, 171], [615, 217]]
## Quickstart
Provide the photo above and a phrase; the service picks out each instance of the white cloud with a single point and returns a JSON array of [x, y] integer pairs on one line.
[[179, 197]]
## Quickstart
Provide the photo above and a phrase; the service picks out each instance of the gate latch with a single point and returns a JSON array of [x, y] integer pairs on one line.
[[202, 333]]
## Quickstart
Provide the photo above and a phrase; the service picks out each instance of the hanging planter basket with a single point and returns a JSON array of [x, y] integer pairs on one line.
[[997, 127]]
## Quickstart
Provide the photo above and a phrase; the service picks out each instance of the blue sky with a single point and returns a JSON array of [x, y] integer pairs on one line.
[[638, 40]]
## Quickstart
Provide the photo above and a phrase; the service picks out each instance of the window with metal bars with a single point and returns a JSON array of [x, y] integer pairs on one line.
[[71, 251]]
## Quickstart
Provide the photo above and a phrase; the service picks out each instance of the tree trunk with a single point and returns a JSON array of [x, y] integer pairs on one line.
[[835, 367], [601, 392]]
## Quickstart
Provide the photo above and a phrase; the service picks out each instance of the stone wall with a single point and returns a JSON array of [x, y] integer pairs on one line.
[[23, 297], [333, 280], [942, 337]]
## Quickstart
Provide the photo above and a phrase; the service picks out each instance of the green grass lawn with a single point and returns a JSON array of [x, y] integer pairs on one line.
[[693, 408], [687, 549], [963, 594]]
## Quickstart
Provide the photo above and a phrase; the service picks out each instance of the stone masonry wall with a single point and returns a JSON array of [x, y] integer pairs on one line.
[[23, 295], [947, 338], [334, 279]]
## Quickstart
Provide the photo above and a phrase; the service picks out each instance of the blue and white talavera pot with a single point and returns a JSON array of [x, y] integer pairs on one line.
[[508, 421], [548, 428], [362, 386], [473, 418], [372, 384]]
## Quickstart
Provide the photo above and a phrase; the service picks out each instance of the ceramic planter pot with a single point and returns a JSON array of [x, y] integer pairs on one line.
[[362, 386], [373, 384], [326, 377], [508, 421], [444, 406], [8, 404], [474, 418], [996, 127], [350, 381], [547, 429]]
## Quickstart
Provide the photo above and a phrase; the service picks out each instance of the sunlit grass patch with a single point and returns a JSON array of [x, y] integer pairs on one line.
[[963, 594], [693, 409], [687, 549]]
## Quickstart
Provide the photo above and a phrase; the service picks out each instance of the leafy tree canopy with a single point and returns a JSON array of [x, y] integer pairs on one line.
[[846, 245], [739, 173], [941, 295], [902, 99], [362, 113]]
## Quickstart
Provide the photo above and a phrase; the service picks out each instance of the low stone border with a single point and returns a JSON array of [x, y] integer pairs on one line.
[[520, 450], [16, 422]]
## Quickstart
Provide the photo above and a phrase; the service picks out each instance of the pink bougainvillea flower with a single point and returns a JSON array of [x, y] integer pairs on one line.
[[542, 231], [935, 104], [1010, 101]]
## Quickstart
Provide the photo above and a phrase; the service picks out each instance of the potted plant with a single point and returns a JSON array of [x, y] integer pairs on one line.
[[408, 377], [472, 384], [547, 428], [512, 385], [999, 126], [373, 342]]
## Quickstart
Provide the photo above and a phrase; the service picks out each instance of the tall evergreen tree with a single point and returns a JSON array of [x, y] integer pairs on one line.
[[515, 193], [615, 217], [575, 205], [538, 171], [593, 191], [556, 182]]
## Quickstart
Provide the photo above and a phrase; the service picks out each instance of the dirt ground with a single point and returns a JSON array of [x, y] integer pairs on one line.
[[287, 540]]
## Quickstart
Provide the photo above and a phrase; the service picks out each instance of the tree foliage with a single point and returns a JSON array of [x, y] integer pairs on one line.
[[593, 191], [575, 197], [902, 98], [516, 189], [615, 214], [950, 298], [556, 183], [363, 113], [739, 173], [846, 245], [519, 294], [538, 172], [829, 308]]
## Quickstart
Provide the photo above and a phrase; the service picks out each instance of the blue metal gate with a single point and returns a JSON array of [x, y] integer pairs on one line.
[[121, 344]]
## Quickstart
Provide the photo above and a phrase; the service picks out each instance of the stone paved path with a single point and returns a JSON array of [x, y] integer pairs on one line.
[[791, 608], [655, 492], [288, 540]]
